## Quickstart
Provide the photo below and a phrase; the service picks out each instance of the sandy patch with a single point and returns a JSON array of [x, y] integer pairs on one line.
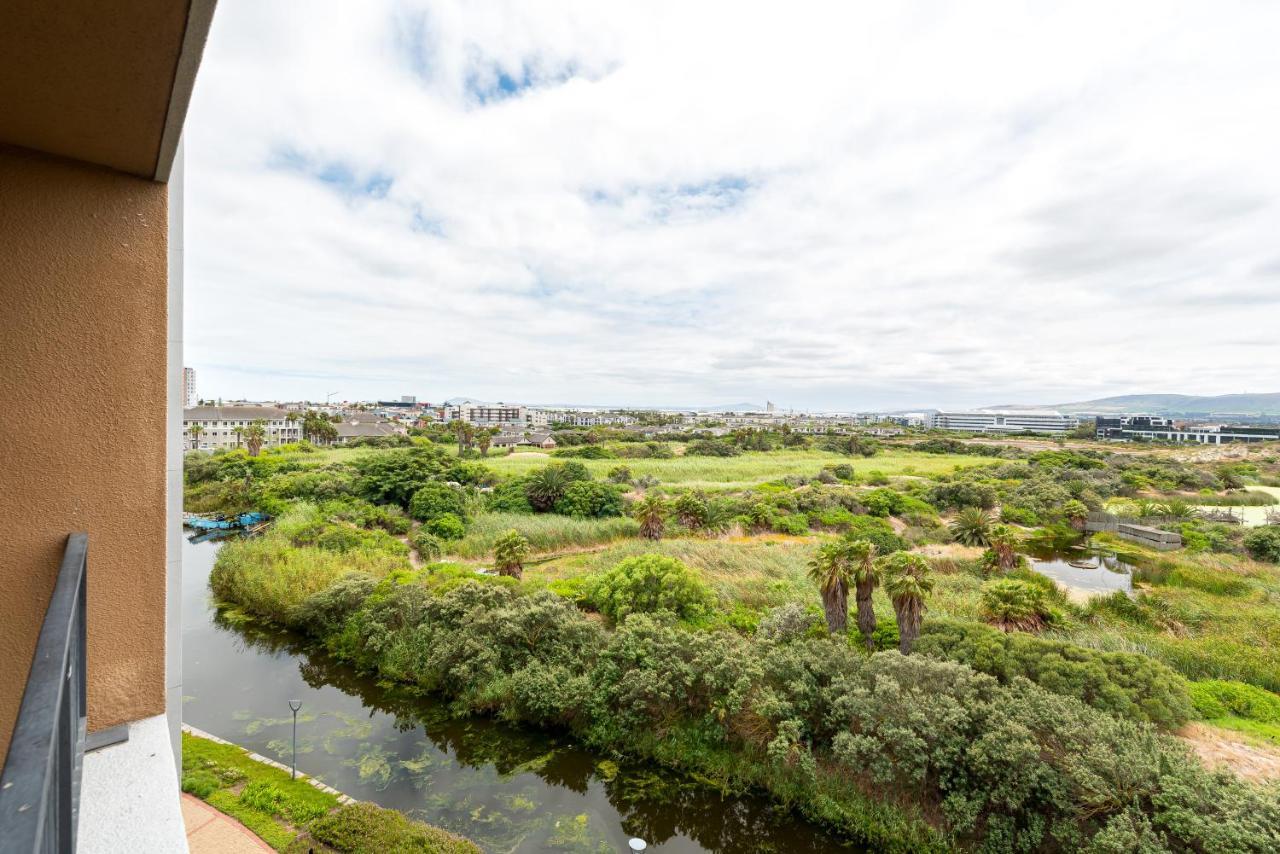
[[1222, 748]]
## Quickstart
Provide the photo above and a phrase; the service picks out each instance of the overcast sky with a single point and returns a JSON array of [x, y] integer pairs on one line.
[[833, 206]]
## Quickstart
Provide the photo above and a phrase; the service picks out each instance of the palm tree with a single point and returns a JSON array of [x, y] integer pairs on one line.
[[509, 552], [485, 439], [866, 575], [545, 487], [971, 527], [651, 512], [907, 581], [255, 434], [239, 431], [1076, 512], [831, 569], [1003, 541], [195, 430]]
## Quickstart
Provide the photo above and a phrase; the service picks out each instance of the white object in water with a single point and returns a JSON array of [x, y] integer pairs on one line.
[[637, 844]]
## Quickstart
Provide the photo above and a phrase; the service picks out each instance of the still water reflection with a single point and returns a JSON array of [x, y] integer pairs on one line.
[[507, 789]]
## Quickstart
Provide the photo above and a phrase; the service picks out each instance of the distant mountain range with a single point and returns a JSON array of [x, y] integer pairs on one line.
[[1178, 404]]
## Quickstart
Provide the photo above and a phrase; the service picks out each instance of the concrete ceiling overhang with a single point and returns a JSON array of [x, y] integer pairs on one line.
[[103, 81]]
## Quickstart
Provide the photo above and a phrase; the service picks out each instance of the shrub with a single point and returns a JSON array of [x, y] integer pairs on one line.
[[647, 584], [620, 474], [1013, 605], [436, 499], [585, 452], [883, 502], [1216, 698], [1124, 684], [427, 544], [447, 527], [959, 494], [796, 524], [510, 497], [1264, 543], [877, 531], [393, 477], [790, 622], [711, 448], [590, 499], [365, 828]]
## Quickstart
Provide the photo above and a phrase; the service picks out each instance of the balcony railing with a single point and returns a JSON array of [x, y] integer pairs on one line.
[[40, 786]]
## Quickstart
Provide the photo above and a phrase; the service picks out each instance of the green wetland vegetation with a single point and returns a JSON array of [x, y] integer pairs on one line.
[[736, 613]]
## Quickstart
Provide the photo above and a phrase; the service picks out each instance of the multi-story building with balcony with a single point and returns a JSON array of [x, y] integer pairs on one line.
[[93, 97], [222, 427]]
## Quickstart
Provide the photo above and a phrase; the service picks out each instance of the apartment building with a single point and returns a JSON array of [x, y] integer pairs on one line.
[[591, 419], [1156, 428], [189, 398], [222, 427], [493, 415], [93, 97], [1004, 421]]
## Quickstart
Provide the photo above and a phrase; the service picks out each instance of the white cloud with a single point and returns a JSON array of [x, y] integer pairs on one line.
[[831, 205]]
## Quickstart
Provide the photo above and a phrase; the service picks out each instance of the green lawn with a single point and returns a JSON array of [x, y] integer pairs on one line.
[[752, 468]]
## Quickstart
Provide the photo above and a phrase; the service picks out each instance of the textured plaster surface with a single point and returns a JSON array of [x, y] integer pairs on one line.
[[82, 421], [89, 80], [129, 798]]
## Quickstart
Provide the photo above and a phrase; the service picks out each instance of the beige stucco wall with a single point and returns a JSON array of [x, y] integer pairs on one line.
[[82, 421]]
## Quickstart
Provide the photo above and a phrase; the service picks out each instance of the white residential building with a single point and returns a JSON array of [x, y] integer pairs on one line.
[[1004, 421], [188, 387], [218, 426]]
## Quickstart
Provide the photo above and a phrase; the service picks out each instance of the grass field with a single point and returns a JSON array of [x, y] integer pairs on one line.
[[545, 533], [752, 468], [739, 472]]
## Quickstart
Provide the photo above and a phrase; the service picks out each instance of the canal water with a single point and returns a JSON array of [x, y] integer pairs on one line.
[[507, 789]]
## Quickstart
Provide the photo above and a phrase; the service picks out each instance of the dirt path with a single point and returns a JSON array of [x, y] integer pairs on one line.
[[1218, 747]]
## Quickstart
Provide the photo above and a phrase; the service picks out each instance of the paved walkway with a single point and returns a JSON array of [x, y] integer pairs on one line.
[[211, 832]]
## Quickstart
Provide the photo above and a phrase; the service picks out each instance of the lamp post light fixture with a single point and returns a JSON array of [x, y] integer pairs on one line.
[[294, 705], [635, 843]]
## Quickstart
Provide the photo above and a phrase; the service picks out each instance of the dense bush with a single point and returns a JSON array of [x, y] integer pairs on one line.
[[877, 531], [447, 526], [392, 477], [648, 584], [436, 499], [1000, 763], [590, 499], [1216, 698], [509, 496], [959, 494], [1264, 543], [1125, 684], [365, 828]]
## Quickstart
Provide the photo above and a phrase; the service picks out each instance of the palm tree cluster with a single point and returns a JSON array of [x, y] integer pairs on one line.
[[845, 563]]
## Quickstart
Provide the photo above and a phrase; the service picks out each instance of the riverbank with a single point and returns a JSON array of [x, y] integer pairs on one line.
[[816, 722], [297, 815], [507, 788]]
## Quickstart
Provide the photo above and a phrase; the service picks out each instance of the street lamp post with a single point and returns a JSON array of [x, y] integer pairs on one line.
[[294, 705]]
